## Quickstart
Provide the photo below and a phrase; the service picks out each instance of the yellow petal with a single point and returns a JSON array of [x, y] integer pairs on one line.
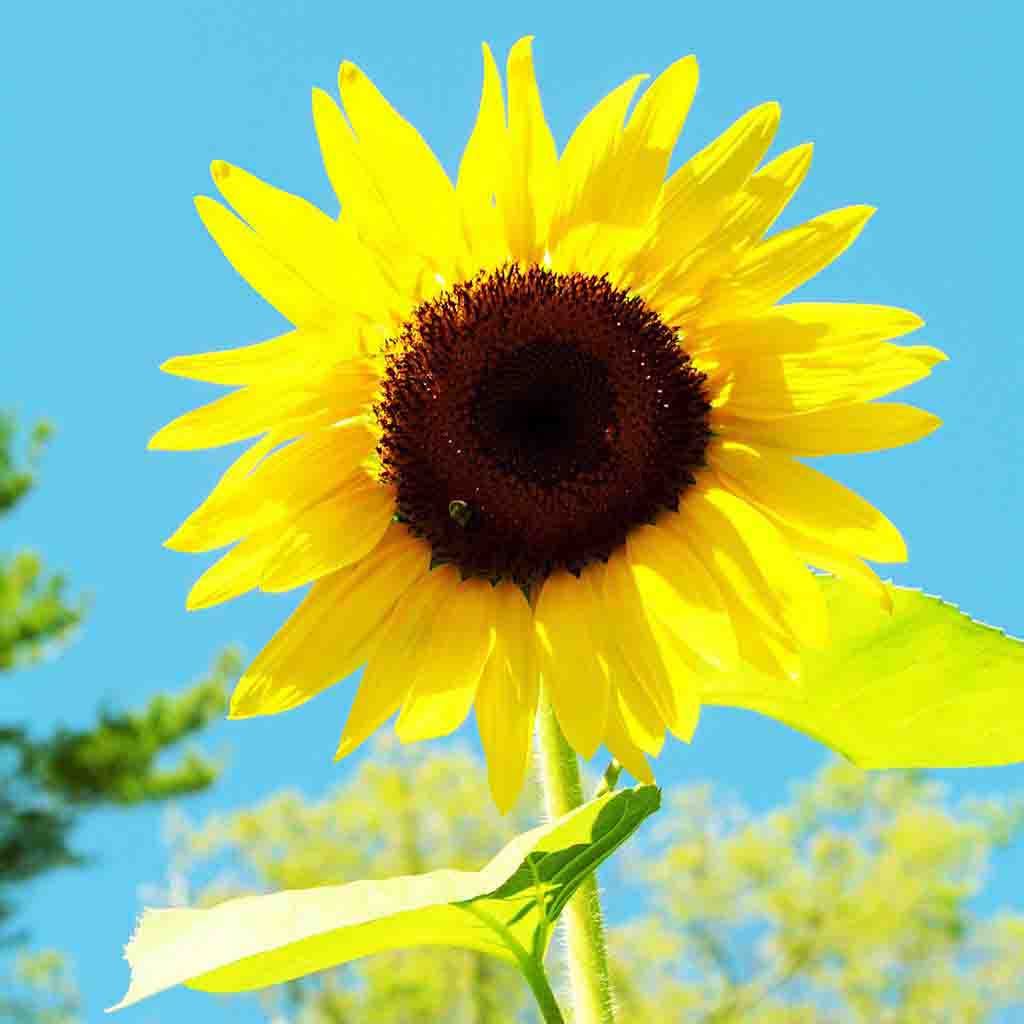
[[325, 252], [241, 365], [578, 685], [396, 156], [233, 417], [807, 328], [634, 183], [774, 653], [865, 427], [627, 753], [460, 642], [683, 668], [234, 573], [294, 297], [774, 386], [644, 726], [362, 203], [334, 629], [626, 631], [614, 176], [675, 588], [527, 193], [506, 702], [481, 170], [765, 195], [242, 414], [809, 501], [694, 200], [239, 469], [295, 477], [395, 658], [583, 168], [331, 534], [749, 215], [771, 270], [830, 558], [746, 553]]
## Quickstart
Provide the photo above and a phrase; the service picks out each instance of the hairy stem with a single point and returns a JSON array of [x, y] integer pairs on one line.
[[587, 953]]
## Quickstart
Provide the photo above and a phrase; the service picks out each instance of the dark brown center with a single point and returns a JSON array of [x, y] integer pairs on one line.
[[532, 419]]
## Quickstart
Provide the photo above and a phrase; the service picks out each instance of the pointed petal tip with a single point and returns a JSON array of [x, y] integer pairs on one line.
[[804, 153], [348, 71], [245, 699], [171, 365], [320, 98], [219, 170], [162, 440]]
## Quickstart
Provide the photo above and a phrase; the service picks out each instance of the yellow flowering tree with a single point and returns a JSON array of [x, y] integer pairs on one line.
[[851, 904]]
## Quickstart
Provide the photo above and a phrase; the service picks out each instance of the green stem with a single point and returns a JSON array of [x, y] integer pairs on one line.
[[586, 949], [609, 780], [531, 969]]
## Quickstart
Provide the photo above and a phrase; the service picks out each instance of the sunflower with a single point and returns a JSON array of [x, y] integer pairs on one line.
[[540, 426]]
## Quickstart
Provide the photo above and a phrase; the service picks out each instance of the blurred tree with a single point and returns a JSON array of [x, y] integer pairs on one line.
[[46, 781], [41, 990], [849, 905]]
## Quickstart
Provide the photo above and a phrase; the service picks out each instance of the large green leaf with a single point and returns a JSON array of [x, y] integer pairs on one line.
[[254, 941], [924, 687]]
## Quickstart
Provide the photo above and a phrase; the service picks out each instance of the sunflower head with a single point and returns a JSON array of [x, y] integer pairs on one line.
[[541, 427]]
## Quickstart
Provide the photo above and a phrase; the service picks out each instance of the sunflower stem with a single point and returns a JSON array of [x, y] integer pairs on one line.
[[586, 949], [531, 967]]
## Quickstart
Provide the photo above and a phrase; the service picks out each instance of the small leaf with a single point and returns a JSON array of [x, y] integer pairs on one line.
[[255, 941], [923, 687]]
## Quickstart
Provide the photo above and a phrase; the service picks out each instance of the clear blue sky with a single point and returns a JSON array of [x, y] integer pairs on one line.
[[112, 112]]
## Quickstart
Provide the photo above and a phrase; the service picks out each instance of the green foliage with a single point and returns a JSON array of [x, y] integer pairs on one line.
[[46, 781], [34, 615], [115, 762], [923, 686]]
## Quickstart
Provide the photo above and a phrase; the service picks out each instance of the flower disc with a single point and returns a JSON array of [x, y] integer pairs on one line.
[[532, 419]]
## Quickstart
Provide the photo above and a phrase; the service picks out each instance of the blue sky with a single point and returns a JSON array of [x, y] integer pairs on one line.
[[114, 112]]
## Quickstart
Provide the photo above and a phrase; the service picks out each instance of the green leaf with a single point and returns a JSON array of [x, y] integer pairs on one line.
[[924, 687], [255, 941]]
